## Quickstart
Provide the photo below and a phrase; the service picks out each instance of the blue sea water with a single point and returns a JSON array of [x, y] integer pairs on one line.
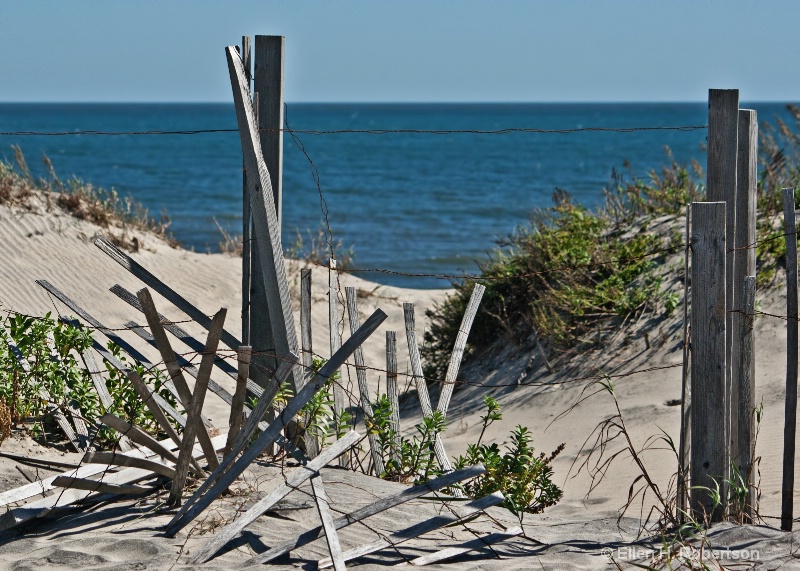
[[417, 203]]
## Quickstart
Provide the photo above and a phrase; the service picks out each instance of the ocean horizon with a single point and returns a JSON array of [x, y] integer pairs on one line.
[[410, 202]]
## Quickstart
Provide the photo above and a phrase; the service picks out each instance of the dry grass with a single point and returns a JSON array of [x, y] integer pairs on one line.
[[120, 217]]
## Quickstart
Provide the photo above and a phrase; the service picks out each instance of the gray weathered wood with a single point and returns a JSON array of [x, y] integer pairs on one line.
[[246, 218], [686, 393], [723, 129], [466, 547], [72, 408], [268, 114], [138, 435], [174, 329], [744, 263], [149, 399], [422, 387], [98, 486], [268, 84], [710, 418], [237, 406], [254, 417], [42, 507], [175, 372], [117, 459], [265, 224], [311, 440], [162, 289], [293, 481], [746, 429], [325, 516], [790, 418], [361, 376], [340, 400], [224, 475], [381, 505], [194, 427], [391, 389], [447, 517], [459, 347]]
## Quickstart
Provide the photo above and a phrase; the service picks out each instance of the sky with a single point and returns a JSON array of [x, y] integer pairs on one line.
[[404, 51]]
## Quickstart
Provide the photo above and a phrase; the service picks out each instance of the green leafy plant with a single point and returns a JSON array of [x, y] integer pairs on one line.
[[50, 351], [523, 476]]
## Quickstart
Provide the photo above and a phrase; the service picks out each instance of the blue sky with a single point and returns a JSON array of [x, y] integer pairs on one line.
[[562, 50]]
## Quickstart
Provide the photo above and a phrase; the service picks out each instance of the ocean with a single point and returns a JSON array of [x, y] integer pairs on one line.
[[414, 203]]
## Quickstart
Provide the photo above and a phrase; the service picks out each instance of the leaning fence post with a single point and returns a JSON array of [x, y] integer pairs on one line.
[[710, 416], [744, 263], [790, 426], [723, 134]]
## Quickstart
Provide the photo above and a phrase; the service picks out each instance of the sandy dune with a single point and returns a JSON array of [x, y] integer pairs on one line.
[[58, 248]]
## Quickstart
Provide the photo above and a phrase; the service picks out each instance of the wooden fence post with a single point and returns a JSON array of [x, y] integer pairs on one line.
[[747, 397], [790, 426], [686, 392], [247, 222], [744, 265], [710, 417], [268, 97], [723, 133]]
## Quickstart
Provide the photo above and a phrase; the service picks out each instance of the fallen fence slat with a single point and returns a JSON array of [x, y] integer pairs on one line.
[[44, 506], [195, 408], [361, 376], [457, 514], [138, 435], [165, 291], [116, 459], [377, 507], [325, 516], [220, 480], [471, 545], [102, 391], [295, 479], [98, 486], [175, 372]]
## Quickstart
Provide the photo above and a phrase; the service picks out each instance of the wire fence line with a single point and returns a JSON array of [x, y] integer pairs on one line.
[[315, 132]]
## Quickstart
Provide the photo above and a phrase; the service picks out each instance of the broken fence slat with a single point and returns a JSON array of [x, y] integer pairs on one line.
[[195, 409], [466, 547], [43, 506], [295, 479], [102, 391], [116, 459], [165, 291], [325, 516], [188, 512], [422, 388], [389, 540], [138, 435], [175, 372], [361, 376], [374, 508], [98, 486], [459, 347]]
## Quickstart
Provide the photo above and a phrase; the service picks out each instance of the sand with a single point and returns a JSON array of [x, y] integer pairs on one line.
[[573, 534]]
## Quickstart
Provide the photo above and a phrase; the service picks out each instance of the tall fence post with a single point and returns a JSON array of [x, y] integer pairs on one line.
[[246, 217], [743, 341], [790, 426], [710, 417], [723, 135], [268, 88]]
